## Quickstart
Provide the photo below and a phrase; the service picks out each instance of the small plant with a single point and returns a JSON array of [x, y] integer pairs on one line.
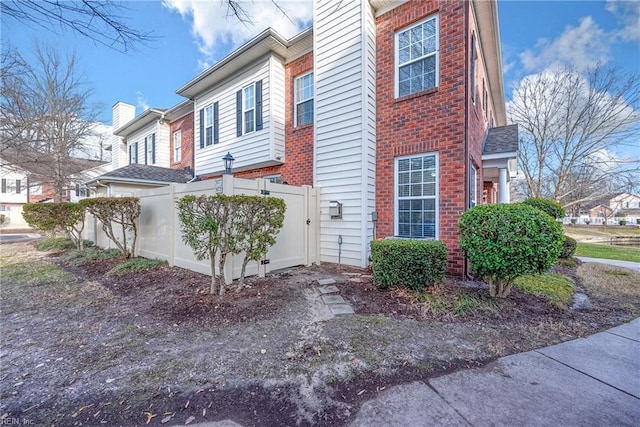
[[60, 244], [76, 257], [622, 222], [505, 241], [550, 207], [136, 265], [587, 221], [569, 245], [409, 263], [638, 221], [4, 220], [573, 221], [555, 287]]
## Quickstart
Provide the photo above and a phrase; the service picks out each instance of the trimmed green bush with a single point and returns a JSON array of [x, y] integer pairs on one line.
[[568, 247], [549, 207], [122, 211], [49, 217], [410, 263], [505, 241]]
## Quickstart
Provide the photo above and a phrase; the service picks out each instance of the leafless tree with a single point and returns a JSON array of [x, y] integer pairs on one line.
[[102, 21], [46, 115], [568, 124]]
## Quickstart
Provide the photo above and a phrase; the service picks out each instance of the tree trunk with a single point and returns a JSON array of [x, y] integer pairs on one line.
[[245, 262], [212, 258]]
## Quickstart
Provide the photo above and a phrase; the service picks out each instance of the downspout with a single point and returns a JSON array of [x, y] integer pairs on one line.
[[465, 271]]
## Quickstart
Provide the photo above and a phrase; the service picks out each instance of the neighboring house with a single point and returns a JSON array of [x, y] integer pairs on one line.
[[153, 149], [389, 107], [30, 183], [611, 205]]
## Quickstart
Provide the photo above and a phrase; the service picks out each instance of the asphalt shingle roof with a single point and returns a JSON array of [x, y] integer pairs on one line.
[[502, 139], [137, 172]]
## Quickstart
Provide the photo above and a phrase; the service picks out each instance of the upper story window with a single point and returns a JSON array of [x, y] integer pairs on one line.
[[209, 126], [304, 99], [133, 153], [177, 145], [249, 109], [150, 149], [417, 57]]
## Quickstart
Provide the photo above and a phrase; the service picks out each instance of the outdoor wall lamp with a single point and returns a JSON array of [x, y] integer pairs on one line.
[[335, 209], [228, 163]]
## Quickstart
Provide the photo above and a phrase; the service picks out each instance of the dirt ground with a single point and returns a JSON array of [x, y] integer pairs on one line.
[[86, 348]]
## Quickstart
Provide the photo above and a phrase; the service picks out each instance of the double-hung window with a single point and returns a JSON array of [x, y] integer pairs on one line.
[[133, 153], [249, 108], [150, 149], [177, 145], [416, 182], [473, 185], [417, 57], [304, 99], [208, 124]]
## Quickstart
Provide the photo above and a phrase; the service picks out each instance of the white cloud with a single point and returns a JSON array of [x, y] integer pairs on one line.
[[628, 13], [581, 47], [141, 100], [215, 28]]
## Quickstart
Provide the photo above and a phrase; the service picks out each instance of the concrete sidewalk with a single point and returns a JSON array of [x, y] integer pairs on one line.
[[592, 381], [626, 264]]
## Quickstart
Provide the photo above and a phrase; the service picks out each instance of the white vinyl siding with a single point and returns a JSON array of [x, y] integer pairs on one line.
[[304, 99], [416, 196], [344, 126], [263, 147], [161, 154], [416, 52]]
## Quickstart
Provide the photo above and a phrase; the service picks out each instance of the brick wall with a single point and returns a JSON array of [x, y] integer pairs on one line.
[[185, 124], [426, 122]]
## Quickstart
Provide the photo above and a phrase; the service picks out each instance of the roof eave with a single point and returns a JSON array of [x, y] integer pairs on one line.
[[144, 119], [486, 13]]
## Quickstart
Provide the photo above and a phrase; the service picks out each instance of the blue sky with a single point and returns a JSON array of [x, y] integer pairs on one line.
[[535, 34]]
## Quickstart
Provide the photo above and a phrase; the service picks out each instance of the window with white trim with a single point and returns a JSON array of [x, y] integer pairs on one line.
[[150, 150], [249, 108], [208, 124], [275, 179], [304, 99], [417, 57], [416, 182], [177, 145], [473, 185]]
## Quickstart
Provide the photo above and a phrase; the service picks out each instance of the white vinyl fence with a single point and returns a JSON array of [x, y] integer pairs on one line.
[[160, 237]]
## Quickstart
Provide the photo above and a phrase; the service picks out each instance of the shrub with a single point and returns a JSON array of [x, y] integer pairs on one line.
[[75, 257], [4, 220], [505, 241], [638, 221], [573, 221], [622, 222], [568, 247], [550, 207], [410, 263], [49, 217], [123, 211]]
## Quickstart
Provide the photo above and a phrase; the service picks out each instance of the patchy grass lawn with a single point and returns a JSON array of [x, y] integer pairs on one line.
[[89, 348], [622, 253], [598, 232], [556, 287]]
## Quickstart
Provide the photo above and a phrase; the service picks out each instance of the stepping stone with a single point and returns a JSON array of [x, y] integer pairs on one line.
[[328, 289], [333, 299], [324, 282], [338, 309]]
